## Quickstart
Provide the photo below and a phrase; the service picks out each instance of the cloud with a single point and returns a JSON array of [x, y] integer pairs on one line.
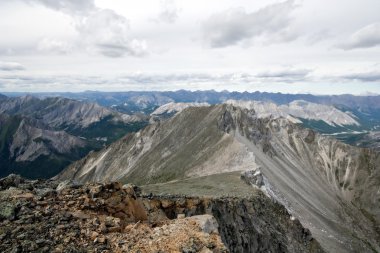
[[11, 66], [152, 81], [366, 37], [99, 30], [235, 25], [54, 45], [106, 32], [72, 7], [285, 75], [373, 76], [318, 36], [169, 11]]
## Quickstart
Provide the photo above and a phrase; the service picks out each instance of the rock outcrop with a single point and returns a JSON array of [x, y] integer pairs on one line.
[[35, 217]]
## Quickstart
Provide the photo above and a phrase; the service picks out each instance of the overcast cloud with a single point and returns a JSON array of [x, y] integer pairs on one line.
[[11, 66], [368, 36], [235, 25], [267, 45]]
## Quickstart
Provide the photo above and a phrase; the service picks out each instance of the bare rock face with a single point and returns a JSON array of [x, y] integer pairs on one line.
[[30, 142], [253, 177]]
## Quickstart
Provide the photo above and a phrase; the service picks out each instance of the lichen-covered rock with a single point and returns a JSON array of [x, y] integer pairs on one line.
[[7, 210]]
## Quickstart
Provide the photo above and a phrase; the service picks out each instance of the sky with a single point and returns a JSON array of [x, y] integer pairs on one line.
[[293, 46]]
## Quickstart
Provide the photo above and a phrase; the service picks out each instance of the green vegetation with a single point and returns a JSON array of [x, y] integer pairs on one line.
[[106, 128]]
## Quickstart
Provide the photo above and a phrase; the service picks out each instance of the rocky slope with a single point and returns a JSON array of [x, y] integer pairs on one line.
[[331, 187], [44, 216]]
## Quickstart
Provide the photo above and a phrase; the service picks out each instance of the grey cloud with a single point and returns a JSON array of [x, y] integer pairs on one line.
[[287, 73], [235, 25], [366, 37], [11, 66], [67, 6], [364, 77]]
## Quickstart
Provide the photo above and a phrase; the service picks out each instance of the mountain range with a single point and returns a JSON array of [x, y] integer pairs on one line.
[[364, 109], [39, 137]]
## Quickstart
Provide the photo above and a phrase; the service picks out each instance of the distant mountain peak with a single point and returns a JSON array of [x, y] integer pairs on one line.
[[298, 109]]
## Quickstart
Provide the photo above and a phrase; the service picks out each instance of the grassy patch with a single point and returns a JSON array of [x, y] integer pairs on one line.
[[218, 185]]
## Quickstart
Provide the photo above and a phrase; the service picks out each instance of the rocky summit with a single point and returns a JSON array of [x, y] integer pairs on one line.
[[47, 216]]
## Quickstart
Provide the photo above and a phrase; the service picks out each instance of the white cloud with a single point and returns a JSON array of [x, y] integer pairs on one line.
[[54, 45], [11, 66], [235, 25], [169, 11], [99, 30], [366, 37], [106, 32]]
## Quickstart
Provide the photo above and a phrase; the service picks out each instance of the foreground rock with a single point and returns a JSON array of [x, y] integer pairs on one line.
[[34, 217]]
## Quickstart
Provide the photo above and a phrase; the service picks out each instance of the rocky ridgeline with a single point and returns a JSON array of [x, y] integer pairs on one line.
[[44, 216]]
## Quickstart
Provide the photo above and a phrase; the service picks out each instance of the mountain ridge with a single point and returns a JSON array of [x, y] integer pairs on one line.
[[328, 185]]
